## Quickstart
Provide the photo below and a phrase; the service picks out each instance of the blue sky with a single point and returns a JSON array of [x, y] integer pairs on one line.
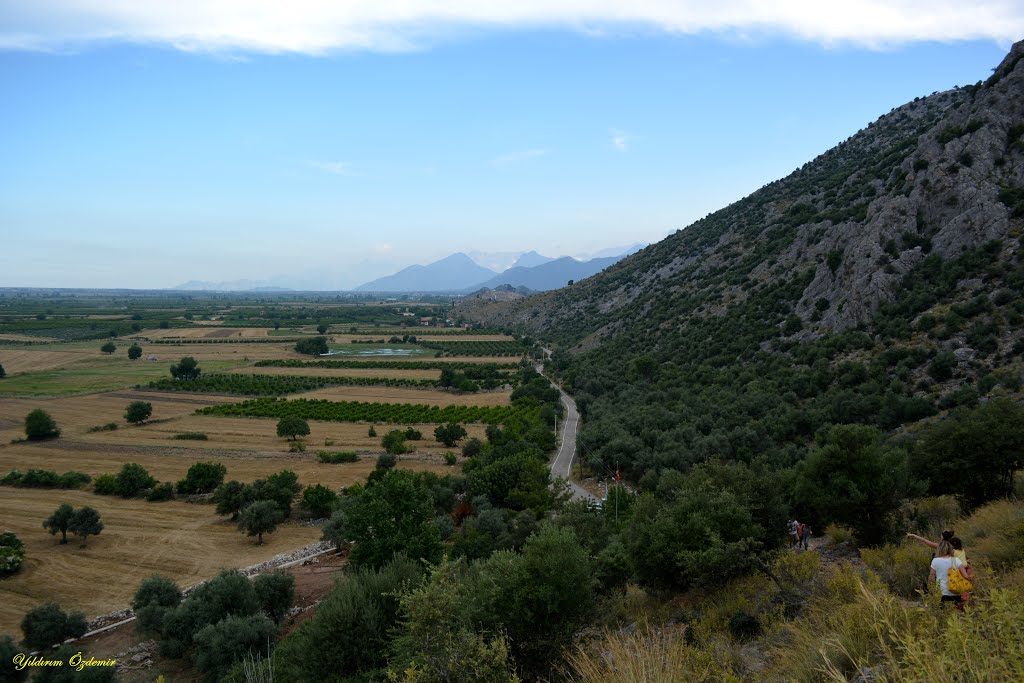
[[147, 159]]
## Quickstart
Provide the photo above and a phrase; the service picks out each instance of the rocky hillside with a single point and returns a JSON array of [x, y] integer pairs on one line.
[[936, 176], [897, 251]]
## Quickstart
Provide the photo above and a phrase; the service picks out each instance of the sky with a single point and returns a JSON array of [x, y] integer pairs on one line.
[[317, 144]]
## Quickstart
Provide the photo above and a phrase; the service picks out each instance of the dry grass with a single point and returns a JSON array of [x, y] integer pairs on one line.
[[18, 361], [22, 337], [420, 396], [343, 372], [186, 542]]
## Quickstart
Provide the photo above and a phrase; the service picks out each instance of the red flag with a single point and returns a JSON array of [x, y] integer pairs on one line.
[[617, 477]]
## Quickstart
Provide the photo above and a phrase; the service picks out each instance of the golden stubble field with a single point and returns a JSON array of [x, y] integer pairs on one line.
[[188, 542]]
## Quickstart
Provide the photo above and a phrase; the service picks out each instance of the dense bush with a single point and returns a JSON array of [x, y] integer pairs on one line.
[[337, 457], [48, 625], [153, 599], [202, 477], [314, 346], [12, 553], [46, 479], [39, 425]]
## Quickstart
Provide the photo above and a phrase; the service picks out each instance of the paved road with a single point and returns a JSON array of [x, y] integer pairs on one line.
[[562, 463]]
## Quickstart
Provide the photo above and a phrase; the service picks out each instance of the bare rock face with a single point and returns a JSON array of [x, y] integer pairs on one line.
[[934, 177]]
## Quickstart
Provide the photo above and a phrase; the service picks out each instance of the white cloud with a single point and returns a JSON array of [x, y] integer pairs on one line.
[[515, 157], [620, 140], [323, 26], [333, 167]]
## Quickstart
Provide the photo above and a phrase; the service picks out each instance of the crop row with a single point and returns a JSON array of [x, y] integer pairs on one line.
[[477, 348], [357, 411], [380, 364], [278, 385], [225, 340]]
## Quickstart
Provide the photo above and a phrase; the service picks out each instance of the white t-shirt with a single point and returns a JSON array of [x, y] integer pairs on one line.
[[941, 566]]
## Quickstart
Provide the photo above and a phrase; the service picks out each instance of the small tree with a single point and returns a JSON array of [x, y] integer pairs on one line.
[[59, 521], [394, 442], [322, 328], [85, 523], [3, 373], [371, 432], [48, 625], [134, 352], [318, 501], [449, 434], [276, 592], [185, 369], [138, 412], [292, 426], [261, 517], [231, 498], [132, 480], [154, 598], [202, 477], [108, 348], [39, 425], [8, 671], [12, 553]]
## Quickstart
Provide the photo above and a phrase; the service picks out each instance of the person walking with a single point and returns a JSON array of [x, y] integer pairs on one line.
[[804, 535], [793, 524], [941, 566]]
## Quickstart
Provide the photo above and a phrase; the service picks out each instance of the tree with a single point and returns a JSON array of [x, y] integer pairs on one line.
[[472, 448], [448, 377], [314, 346], [261, 517], [9, 673], [59, 521], [275, 591], [322, 328], [85, 523], [231, 498], [108, 348], [318, 501], [973, 453], [134, 352], [3, 373], [394, 442], [39, 425], [202, 477], [292, 426], [853, 479], [138, 412], [48, 625], [218, 645], [395, 515], [132, 480], [12, 553], [155, 597], [185, 369], [449, 434]]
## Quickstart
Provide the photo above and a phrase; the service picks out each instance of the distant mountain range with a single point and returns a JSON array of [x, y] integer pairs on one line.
[[459, 273]]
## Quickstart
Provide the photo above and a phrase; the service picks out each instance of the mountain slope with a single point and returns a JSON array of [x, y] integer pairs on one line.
[[879, 283], [452, 273], [530, 259]]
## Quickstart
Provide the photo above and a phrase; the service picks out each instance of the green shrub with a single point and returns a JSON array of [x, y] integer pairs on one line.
[[839, 533], [903, 568], [161, 492], [12, 553], [39, 425], [105, 485], [337, 457], [48, 625], [202, 477], [109, 427], [191, 436]]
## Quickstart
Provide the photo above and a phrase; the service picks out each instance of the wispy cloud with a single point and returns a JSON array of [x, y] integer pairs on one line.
[[515, 157], [324, 26], [620, 139], [332, 167]]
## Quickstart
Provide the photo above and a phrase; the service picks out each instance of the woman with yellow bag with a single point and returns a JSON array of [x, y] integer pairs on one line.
[[951, 574]]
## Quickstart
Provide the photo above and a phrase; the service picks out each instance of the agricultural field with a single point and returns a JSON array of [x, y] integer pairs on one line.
[[240, 355]]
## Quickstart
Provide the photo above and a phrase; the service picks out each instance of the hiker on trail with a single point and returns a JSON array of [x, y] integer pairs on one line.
[[940, 568], [803, 535], [946, 536], [793, 540]]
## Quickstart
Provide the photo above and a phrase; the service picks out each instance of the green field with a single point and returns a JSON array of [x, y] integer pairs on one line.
[[99, 374]]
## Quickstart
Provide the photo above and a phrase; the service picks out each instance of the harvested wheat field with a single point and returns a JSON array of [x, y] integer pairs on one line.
[[388, 373], [234, 351], [9, 336], [186, 542], [420, 396], [254, 436], [76, 414], [18, 360]]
